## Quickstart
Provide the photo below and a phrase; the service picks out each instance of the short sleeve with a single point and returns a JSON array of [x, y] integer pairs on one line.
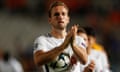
[[81, 42], [40, 44]]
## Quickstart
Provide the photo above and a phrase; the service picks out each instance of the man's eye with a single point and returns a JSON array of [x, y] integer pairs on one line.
[[56, 14], [63, 13]]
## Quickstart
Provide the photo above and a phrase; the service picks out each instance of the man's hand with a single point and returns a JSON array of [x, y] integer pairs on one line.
[[67, 39], [74, 33], [90, 67]]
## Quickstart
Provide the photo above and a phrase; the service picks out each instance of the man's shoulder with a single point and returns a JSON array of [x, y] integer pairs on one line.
[[97, 53], [43, 36]]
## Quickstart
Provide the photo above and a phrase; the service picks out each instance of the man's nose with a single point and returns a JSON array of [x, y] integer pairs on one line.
[[60, 16]]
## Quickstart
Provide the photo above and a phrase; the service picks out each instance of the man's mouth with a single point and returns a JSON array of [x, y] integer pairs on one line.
[[60, 21]]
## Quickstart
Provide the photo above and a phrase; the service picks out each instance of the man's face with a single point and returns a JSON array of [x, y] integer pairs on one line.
[[91, 40], [59, 17]]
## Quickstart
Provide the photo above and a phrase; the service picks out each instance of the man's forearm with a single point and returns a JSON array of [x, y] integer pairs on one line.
[[81, 54], [46, 57]]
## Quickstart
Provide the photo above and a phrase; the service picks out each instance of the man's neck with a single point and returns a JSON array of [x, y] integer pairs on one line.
[[58, 33]]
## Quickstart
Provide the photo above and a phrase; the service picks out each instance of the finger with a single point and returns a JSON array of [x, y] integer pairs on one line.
[[92, 65], [74, 28], [89, 70], [86, 69], [92, 61]]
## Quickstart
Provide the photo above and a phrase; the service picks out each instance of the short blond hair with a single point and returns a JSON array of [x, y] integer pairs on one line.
[[54, 4]]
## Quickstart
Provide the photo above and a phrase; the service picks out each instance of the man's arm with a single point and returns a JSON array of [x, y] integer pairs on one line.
[[90, 67], [41, 57], [79, 52]]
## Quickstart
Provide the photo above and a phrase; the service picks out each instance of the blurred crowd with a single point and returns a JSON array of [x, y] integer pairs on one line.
[[102, 15], [23, 63]]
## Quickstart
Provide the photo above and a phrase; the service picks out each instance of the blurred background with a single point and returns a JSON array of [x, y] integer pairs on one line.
[[21, 21]]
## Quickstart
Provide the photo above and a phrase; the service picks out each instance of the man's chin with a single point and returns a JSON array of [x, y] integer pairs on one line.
[[61, 28]]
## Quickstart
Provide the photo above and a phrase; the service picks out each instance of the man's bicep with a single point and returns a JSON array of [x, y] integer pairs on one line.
[[37, 56], [38, 53]]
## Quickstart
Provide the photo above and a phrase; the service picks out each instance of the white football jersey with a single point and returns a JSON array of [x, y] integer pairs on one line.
[[48, 42], [101, 64]]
